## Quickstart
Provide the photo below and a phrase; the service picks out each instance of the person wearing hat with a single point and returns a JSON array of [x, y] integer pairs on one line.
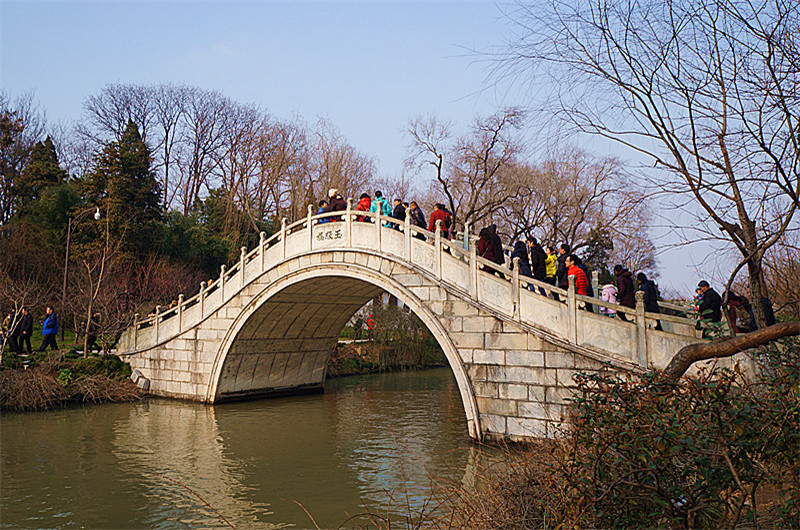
[[711, 304]]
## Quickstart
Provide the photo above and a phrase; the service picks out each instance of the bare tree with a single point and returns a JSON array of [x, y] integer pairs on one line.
[[705, 91], [475, 171]]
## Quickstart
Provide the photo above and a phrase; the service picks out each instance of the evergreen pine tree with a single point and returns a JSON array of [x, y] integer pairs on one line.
[[124, 183], [41, 171]]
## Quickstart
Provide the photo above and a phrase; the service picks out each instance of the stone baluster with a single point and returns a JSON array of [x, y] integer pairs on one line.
[[466, 238], [641, 330], [157, 319], [283, 239], [180, 312], [473, 269], [572, 310], [136, 317], [202, 301], [222, 270], [437, 258], [407, 228], [349, 222], [262, 241], [242, 255], [378, 228], [515, 295], [309, 227], [596, 284]]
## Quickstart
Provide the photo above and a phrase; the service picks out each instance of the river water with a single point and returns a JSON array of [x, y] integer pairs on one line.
[[374, 443]]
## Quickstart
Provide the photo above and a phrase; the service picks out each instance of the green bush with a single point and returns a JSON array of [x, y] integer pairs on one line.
[[65, 377]]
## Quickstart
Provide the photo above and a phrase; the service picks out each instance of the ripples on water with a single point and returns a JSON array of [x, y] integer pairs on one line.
[[374, 441]]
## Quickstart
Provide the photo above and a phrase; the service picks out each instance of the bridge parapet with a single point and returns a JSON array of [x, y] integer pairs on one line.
[[498, 289]]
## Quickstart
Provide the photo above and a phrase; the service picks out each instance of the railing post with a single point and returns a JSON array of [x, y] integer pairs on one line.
[[180, 313], [202, 302], [135, 329], [378, 227], [157, 318], [466, 237], [349, 222], [222, 270], [473, 269], [407, 228], [283, 239], [572, 309], [262, 239], [242, 254], [515, 290], [308, 226], [437, 259], [596, 283], [641, 330]]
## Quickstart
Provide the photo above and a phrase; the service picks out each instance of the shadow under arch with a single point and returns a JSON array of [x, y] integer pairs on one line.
[[283, 337]]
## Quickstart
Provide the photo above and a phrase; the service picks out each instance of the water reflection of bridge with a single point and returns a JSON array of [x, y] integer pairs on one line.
[[269, 323]]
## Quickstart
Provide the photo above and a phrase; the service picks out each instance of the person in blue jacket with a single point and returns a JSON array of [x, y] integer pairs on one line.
[[385, 208], [49, 330]]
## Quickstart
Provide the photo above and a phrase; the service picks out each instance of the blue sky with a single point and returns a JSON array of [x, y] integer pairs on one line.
[[366, 66]]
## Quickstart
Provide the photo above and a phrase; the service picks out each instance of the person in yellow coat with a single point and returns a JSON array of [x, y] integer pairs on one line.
[[550, 265]]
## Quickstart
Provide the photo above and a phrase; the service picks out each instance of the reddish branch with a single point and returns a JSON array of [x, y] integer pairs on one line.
[[727, 347]]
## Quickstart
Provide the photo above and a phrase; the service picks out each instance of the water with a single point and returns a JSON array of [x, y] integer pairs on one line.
[[369, 443]]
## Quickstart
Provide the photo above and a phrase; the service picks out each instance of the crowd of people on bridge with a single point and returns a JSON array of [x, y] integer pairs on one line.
[[553, 266]]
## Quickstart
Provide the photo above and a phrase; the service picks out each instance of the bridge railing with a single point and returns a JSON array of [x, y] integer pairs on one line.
[[451, 261]]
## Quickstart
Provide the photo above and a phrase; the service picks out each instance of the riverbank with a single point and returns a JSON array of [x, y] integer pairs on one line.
[[370, 357], [46, 381]]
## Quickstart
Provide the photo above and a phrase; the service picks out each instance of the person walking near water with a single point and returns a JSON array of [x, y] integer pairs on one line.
[[49, 330], [25, 331]]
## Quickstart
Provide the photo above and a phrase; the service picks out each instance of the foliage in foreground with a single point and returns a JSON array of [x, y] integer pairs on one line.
[[717, 451]]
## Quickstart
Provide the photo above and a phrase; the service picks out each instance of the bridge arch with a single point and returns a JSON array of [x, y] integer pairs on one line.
[[286, 331]]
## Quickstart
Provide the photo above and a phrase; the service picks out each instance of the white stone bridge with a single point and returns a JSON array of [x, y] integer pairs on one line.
[[269, 323]]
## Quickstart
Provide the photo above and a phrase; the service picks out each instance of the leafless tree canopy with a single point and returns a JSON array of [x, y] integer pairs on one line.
[[202, 140], [707, 91]]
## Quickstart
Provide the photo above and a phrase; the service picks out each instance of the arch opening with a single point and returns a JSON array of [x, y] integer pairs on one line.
[[282, 341]]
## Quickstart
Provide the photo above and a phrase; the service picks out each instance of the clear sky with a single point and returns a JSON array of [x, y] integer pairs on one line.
[[368, 67]]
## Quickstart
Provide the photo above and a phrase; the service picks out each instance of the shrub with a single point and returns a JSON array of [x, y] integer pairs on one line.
[[714, 451]]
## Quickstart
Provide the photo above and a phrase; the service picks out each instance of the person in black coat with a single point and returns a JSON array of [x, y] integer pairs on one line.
[[538, 265], [524, 265], [625, 293], [399, 212], [650, 296], [711, 305], [25, 331], [561, 268]]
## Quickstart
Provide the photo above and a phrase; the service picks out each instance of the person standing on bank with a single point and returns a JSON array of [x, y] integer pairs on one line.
[[25, 331], [49, 330]]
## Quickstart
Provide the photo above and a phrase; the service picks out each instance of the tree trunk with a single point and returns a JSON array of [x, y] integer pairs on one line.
[[693, 353]]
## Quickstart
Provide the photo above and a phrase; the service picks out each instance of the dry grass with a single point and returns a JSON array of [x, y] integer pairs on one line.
[[38, 388]]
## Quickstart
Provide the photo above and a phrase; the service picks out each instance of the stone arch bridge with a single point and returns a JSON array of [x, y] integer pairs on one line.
[[269, 323]]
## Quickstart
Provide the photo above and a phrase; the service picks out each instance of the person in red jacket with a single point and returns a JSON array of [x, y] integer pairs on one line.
[[581, 281], [440, 214], [364, 202]]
